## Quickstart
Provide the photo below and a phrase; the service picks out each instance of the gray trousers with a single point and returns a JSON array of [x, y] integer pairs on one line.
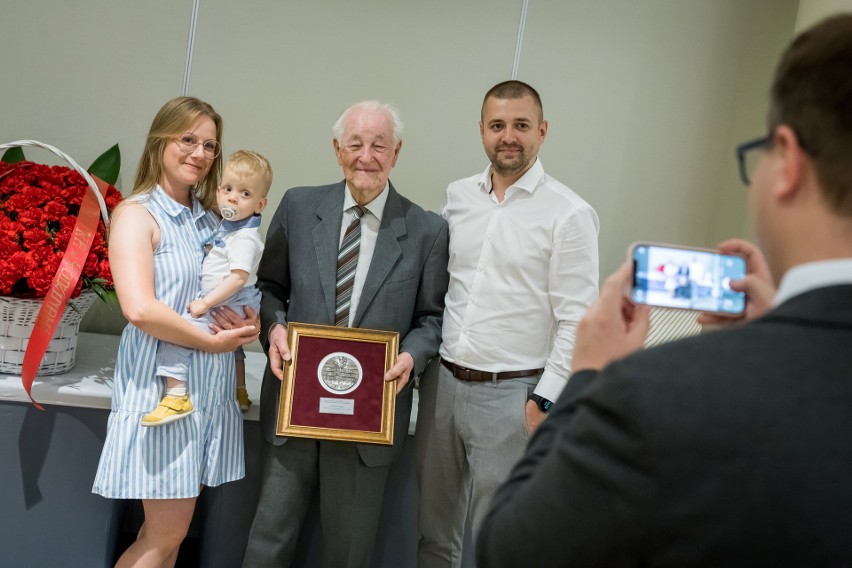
[[469, 436], [350, 496]]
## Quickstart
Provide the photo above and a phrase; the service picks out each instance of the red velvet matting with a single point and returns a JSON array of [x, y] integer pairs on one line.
[[307, 389]]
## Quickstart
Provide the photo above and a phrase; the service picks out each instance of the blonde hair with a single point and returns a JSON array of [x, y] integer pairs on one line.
[[171, 121], [243, 162]]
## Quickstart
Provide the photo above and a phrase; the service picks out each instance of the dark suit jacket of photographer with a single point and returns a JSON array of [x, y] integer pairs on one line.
[[728, 449]]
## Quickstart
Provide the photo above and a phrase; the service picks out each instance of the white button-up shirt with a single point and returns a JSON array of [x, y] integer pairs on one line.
[[522, 274]]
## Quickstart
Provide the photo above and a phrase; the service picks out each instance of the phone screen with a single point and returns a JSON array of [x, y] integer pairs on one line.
[[684, 278]]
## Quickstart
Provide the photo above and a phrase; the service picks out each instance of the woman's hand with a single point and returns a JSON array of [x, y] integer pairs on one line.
[[232, 330]]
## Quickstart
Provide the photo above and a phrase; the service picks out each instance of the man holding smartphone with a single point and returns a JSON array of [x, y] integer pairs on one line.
[[523, 270], [726, 449]]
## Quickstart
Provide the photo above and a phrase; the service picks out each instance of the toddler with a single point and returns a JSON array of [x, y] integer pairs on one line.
[[228, 276]]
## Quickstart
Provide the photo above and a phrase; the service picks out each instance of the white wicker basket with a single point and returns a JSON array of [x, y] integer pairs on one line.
[[17, 316]]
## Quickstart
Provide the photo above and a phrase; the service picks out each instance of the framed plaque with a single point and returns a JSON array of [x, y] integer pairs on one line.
[[334, 387]]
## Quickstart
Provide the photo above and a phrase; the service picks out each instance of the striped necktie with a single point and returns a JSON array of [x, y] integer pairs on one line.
[[347, 262]]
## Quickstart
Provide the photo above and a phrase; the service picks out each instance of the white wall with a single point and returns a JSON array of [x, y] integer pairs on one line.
[[646, 100], [811, 11]]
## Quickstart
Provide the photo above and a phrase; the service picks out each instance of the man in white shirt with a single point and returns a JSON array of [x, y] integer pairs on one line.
[[729, 448], [523, 270]]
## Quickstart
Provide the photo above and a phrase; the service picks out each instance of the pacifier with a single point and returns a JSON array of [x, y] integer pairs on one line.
[[227, 212]]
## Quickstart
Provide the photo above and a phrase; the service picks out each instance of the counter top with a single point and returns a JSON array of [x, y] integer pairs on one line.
[[89, 383]]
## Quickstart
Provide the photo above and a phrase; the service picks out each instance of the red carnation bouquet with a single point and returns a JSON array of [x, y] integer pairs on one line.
[[38, 209]]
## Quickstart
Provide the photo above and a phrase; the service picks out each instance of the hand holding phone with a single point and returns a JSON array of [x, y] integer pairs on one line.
[[686, 278], [757, 285], [612, 328]]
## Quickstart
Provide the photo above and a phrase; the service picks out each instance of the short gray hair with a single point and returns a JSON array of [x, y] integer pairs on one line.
[[390, 110]]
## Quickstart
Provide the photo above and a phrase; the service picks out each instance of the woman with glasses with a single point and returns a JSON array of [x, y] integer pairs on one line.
[[156, 246]]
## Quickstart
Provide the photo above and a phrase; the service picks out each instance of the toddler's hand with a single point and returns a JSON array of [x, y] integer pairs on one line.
[[197, 308]]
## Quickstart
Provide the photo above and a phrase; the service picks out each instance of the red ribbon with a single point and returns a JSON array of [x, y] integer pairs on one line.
[[62, 286]]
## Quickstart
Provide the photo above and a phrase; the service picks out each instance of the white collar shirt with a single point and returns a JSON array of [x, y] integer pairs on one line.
[[370, 224], [522, 273], [812, 275]]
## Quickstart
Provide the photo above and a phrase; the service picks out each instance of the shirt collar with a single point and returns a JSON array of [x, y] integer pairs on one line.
[[172, 207], [248, 223], [809, 276], [376, 206], [528, 182]]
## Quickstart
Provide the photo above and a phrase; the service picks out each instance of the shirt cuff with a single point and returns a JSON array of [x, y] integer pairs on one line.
[[550, 385], [271, 327]]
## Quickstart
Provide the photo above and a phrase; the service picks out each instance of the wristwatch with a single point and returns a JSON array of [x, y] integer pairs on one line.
[[543, 404]]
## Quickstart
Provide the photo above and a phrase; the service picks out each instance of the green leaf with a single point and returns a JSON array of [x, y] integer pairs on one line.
[[107, 165], [107, 295], [13, 155]]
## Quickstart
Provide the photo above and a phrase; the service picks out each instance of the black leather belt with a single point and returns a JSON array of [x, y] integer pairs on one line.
[[465, 374]]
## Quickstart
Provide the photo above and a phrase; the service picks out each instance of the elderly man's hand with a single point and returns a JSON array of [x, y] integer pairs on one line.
[[401, 371], [612, 328], [279, 350]]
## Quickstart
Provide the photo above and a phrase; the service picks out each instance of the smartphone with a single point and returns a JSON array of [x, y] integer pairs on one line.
[[672, 276]]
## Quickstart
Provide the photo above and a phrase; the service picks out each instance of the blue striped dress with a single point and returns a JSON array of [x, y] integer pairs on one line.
[[171, 461]]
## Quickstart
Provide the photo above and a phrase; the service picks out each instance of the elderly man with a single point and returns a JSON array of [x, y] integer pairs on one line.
[[523, 270], [730, 448], [398, 285]]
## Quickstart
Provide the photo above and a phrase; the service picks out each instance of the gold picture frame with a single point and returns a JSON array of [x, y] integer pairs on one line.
[[334, 387]]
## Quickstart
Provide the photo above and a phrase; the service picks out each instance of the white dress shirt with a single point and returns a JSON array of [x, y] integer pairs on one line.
[[812, 275], [370, 223], [522, 274]]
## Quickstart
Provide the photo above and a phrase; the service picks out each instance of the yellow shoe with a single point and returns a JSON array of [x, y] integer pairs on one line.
[[243, 399], [171, 408]]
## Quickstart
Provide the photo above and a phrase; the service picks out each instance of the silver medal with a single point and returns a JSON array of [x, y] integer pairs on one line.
[[339, 373]]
